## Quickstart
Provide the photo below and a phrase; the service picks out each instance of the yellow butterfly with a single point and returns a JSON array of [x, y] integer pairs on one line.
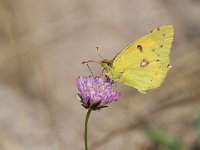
[[145, 62]]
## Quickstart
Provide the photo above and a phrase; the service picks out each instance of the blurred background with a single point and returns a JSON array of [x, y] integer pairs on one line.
[[42, 45]]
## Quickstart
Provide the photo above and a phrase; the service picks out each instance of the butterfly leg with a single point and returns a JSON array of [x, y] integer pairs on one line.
[[90, 70], [102, 72]]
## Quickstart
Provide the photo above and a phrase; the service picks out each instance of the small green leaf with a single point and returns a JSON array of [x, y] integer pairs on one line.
[[197, 121], [163, 139]]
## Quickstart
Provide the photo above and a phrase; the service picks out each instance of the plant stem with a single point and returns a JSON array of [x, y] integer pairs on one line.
[[86, 122]]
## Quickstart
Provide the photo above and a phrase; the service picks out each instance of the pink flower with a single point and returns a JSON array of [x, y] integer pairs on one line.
[[96, 92]]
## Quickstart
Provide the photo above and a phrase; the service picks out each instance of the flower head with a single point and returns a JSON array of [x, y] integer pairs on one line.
[[96, 92]]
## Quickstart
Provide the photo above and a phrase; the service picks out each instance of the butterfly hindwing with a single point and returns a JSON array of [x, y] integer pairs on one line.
[[145, 63]]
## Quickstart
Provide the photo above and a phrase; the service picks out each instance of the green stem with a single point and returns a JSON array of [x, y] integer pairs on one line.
[[86, 122]]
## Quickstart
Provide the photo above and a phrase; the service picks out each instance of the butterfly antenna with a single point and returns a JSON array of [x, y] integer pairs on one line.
[[99, 53], [89, 61]]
